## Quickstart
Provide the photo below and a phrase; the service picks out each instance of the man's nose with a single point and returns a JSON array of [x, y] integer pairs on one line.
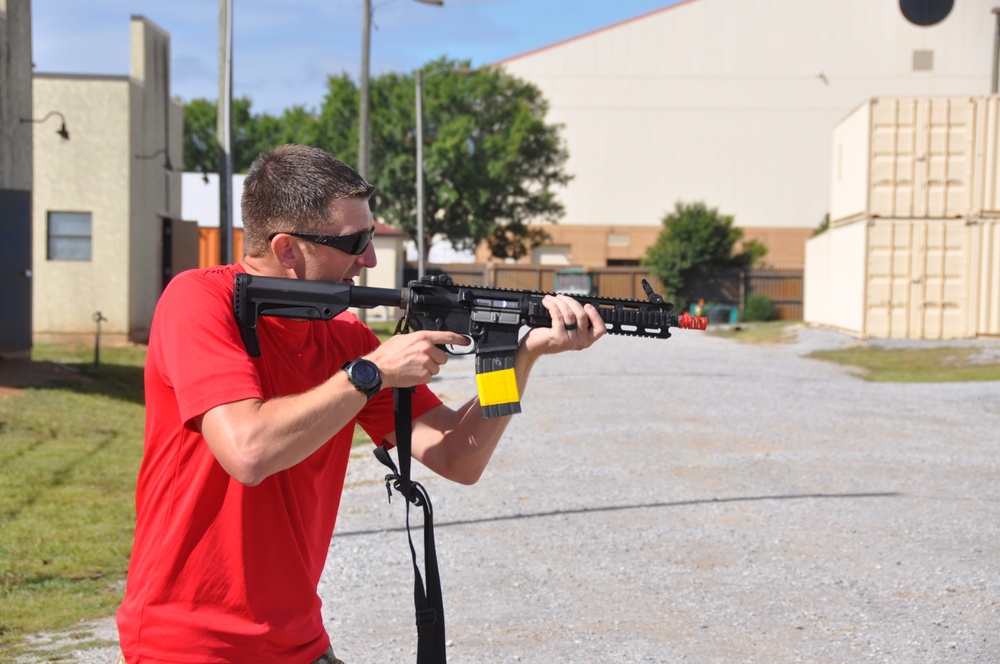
[[368, 259]]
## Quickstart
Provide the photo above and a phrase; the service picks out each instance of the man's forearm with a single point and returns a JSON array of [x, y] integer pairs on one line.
[[458, 444]]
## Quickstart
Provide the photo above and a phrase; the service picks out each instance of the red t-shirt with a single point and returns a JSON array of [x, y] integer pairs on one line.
[[222, 572]]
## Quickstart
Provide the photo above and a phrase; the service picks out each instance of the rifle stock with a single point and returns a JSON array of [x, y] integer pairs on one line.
[[491, 317]]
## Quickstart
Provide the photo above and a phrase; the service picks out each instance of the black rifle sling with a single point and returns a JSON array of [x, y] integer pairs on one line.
[[429, 604]]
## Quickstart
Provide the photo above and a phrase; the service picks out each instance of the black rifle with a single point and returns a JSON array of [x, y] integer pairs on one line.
[[491, 317]]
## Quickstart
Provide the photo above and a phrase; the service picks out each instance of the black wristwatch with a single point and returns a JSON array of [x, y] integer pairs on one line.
[[364, 375]]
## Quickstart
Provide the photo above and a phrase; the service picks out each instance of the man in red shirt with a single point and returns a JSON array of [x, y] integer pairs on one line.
[[245, 458]]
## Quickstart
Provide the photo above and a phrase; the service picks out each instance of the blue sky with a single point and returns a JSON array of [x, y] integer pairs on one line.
[[284, 50]]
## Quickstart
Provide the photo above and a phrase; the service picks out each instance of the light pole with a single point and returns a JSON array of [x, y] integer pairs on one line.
[[995, 79], [364, 121], [420, 175], [421, 255]]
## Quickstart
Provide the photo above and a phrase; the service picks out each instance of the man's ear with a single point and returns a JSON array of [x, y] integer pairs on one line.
[[285, 250]]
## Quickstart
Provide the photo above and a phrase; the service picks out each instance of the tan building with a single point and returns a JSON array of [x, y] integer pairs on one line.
[[732, 102], [107, 233]]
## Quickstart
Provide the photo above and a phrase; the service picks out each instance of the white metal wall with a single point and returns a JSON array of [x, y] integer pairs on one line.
[[733, 101], [834, 278], [851, 172]]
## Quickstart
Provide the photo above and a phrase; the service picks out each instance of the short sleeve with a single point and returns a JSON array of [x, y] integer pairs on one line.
[[197, 344]]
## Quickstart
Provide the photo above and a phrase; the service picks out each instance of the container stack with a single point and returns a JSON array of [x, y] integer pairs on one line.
[[913, 248]]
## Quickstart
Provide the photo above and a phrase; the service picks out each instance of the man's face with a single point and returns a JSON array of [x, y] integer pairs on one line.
[[347, 216]]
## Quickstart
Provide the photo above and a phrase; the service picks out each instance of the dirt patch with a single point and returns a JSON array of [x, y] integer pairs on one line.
[[16, 374]]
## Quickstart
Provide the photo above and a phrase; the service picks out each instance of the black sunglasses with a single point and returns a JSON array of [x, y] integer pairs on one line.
[[354, 244]]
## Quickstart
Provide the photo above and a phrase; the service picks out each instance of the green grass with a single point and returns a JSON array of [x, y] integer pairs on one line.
[[69, 454], [915, 365]]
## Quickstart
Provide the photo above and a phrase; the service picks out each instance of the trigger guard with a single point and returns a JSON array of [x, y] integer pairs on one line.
[[473, 347]]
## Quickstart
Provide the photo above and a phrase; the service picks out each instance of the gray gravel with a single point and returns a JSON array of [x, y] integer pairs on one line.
[[696, 500]]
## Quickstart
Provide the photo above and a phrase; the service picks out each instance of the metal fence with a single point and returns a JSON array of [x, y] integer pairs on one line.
[[733, 287], [729, 287]]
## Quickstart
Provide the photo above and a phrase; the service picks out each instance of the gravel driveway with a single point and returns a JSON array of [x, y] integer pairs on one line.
[[696, 500]]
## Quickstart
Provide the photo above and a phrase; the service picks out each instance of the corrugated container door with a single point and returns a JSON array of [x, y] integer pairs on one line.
[[951, 152], [988, 294], [893, 158], [922, 155], [889, 249], [918, 278], [986, 194]]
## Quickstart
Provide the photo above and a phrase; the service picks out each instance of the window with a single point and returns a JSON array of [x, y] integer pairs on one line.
[[69, 236], [618, 240], [551, 255]]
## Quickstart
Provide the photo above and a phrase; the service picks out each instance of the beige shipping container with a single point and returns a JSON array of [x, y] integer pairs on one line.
[[915, 220], [906, 278], [914, 157]]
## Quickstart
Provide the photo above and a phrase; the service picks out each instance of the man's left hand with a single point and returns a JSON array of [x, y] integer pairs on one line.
[[574, 327]]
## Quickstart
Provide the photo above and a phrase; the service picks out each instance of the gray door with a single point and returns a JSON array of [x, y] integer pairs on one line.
[[15, 270]]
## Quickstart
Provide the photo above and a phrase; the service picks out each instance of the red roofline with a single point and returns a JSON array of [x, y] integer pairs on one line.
[[383, 229], [592, 32]]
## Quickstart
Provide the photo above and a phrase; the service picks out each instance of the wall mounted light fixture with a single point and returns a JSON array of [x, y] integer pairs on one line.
[[62, 129]]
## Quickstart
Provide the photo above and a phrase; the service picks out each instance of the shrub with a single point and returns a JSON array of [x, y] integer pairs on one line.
[[758, 308], [696, 237]]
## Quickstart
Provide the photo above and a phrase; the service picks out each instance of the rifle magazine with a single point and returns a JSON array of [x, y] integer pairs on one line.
[[496, 383]]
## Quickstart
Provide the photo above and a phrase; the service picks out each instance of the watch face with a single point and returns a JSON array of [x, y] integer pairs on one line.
[[365, 373]]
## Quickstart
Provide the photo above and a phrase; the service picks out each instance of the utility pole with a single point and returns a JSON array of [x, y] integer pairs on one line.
[[224, 131], [994, 83]]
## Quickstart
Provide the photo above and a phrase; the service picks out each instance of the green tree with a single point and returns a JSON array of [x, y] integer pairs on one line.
[[201, 151], [393, 151], [824, 225], [337, 120], [696, 237], [491, 163], [252, 134]]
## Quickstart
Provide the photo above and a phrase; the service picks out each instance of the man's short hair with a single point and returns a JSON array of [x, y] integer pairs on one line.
[[290, 189]]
